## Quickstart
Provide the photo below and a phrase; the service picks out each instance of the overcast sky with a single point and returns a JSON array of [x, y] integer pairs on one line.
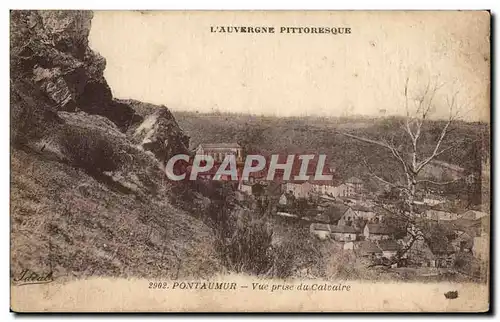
[[174, 59]]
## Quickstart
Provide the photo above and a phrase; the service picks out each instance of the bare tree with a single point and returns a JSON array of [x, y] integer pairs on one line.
[[411, 159]]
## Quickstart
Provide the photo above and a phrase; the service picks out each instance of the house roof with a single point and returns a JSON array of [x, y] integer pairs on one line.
[[441, 249], [421, 249], [322, 218], [388, 245], [473, 214], [448, 207], [361, 208], [327, 198], [464, 223], [343, 229], [472, 227], [220, 145], [367, 247], [335, 212], [319, 226], [378, 229]]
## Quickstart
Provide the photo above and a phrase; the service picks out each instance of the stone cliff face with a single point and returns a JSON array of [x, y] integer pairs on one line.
[[159, 133], [50, 49], [53, 69]]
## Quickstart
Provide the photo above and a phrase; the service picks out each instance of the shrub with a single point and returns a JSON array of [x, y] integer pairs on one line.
[[284, 260], [90, 150], [245, 244], [298, 253]]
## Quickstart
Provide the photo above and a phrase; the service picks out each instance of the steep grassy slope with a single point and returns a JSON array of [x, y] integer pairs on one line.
[[65, 220], [88, 198]]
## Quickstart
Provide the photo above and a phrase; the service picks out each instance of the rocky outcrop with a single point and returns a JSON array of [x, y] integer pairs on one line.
[[50, 49], [58, 91], [160, 134]]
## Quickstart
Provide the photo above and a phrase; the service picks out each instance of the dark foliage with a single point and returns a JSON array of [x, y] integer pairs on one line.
[[90, 150]]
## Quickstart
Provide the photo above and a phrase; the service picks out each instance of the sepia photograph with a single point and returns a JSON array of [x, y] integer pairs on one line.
[[250, 161]]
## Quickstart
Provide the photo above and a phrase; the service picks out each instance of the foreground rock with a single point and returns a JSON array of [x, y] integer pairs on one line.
[[50, 49]]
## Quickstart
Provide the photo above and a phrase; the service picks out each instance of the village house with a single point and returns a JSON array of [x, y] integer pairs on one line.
[[218, 151], [431, 199], [439, 215], [419, 254], [342, 190], [444, 255], [355, 183], [299, 189], [377, 232], [367, 248], [284, 199], [363, 212], [323, 187], [348, 217], [329, 188], [439, 255], [344, 233], [388, 247], [433, 253], [322, 231], [335, 212]]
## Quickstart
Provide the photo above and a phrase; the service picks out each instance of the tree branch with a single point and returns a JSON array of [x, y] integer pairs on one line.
[[435, 153], [385, 145], [443, 183], [380, 178], [363, 139]]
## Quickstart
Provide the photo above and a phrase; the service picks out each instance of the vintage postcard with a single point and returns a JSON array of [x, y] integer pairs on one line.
[[250, 161]]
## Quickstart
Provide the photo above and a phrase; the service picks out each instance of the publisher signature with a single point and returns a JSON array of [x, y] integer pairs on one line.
[[28, 276]]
